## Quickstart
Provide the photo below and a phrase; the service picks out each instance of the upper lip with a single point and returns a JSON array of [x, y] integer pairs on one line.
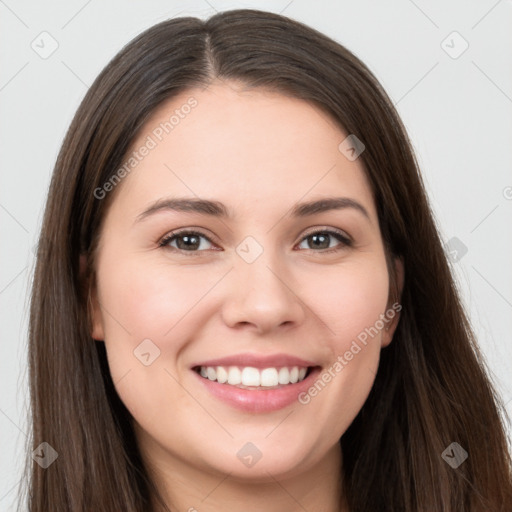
[[257, 361]]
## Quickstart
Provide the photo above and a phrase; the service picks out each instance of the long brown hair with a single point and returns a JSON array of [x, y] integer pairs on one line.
[[431, 388]]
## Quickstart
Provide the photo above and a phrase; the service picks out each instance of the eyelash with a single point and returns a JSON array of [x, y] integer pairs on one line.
[[345, 241]]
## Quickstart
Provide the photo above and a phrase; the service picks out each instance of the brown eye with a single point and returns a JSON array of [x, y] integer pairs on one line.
[[186, 241], [322, 240]]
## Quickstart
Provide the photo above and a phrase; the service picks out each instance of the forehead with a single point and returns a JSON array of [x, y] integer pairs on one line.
[[245, 147]]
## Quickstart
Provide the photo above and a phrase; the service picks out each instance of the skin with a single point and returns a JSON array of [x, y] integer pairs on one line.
[[259, 153]]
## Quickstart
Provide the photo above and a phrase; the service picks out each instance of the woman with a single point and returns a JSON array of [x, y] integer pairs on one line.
[[241, 293]]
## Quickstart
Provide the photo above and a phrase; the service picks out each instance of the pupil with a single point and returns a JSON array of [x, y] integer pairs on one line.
[[325, 238], [189, 241]]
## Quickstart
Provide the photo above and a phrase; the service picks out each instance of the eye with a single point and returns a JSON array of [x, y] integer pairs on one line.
[[191, 241], [188, 241], [321, 240]]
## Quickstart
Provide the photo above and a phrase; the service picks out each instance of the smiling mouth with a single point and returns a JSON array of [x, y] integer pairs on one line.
[[248, 377]]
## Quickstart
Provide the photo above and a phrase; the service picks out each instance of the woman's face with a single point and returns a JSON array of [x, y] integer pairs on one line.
[[284, 305]]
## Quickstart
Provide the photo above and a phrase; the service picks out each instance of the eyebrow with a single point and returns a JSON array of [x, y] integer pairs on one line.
[[218, 209]]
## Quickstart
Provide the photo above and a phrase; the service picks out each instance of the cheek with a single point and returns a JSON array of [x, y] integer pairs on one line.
[[351, 307], [148, 300], [348, 300], [153, 309], [147, 310]]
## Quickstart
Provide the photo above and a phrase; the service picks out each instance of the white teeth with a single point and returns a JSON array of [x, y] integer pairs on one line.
[[253, 377], [269, 377], [284, 376], [222, 375], [234, 376]]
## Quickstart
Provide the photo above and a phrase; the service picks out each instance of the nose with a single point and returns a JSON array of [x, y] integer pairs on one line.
[[262, 296]]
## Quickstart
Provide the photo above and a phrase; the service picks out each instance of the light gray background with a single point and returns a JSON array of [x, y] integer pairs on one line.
[[457, 112]]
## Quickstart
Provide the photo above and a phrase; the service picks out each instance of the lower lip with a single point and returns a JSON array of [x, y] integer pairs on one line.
[[259, 400]]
